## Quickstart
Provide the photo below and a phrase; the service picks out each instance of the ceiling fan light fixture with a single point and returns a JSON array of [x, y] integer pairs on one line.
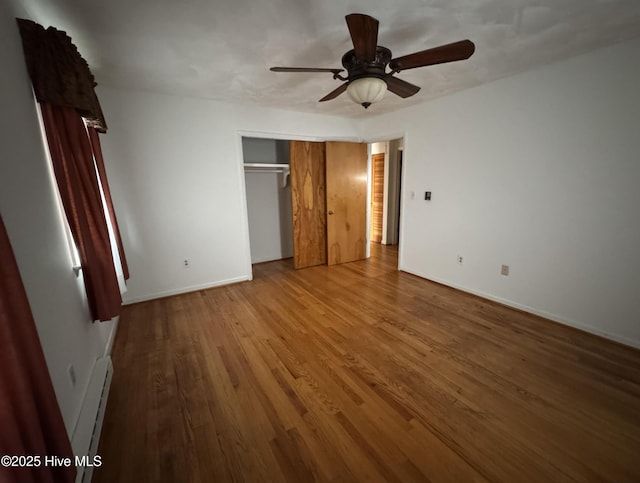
[[367, 90]]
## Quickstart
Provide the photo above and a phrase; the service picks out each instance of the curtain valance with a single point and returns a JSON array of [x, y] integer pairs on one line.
[[59, 74]]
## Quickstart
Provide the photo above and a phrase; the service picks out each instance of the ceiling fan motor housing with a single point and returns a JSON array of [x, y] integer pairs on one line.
[[358, 68]]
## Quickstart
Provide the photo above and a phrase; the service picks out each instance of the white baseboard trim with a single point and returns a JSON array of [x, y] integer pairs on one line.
[[547, 315], [193, 288], [86, 435]]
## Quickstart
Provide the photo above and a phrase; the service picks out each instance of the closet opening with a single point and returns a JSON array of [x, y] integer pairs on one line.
[[268, 188], [334, 221]]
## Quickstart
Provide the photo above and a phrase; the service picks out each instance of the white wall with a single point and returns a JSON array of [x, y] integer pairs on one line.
[[270, 216], [541, 172], [259, 150], [175, 167], [30, 211]]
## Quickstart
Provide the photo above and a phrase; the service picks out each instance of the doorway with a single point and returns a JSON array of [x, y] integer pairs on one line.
[[385, 184]]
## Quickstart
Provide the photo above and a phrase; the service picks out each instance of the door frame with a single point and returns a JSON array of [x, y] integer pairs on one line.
[[283, 136]]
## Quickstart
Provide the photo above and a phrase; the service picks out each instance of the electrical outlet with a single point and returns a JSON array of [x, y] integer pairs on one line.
[[504, 270], [186, 264], [72, 375], [460, 259]]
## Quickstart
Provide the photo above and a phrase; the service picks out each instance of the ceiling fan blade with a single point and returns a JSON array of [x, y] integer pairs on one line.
[[305, 69], [364, 34], [438, 55], [399, 87], [335, 93]]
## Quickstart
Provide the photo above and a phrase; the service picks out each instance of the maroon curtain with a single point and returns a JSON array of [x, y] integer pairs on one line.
[[64, 87], [73, 165], [30, 419], [97, 154]]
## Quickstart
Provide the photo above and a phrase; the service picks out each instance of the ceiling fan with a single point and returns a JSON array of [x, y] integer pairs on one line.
[[367, 76]]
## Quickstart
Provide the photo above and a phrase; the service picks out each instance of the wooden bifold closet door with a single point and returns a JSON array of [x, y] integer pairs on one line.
[[308, 202], [346, 202], [329, 196]]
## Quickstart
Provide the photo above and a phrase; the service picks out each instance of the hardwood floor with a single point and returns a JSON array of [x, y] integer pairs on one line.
[[358, 372]]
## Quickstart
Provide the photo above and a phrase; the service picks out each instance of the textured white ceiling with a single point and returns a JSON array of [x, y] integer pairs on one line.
[[223, 49]]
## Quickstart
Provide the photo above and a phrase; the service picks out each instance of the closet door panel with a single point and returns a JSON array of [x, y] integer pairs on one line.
[[347, 178], [308, 202]]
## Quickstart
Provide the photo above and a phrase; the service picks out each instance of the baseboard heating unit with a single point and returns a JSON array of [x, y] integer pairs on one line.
[[87, 432]]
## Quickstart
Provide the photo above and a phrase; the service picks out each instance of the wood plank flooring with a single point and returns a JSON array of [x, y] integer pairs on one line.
[[358, 372]]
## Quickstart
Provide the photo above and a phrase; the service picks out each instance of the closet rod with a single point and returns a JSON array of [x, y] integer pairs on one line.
[[269, 168], [266, 165], [255, 170]]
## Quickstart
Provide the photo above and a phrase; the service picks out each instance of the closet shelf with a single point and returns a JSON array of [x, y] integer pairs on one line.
[[267, 166]]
